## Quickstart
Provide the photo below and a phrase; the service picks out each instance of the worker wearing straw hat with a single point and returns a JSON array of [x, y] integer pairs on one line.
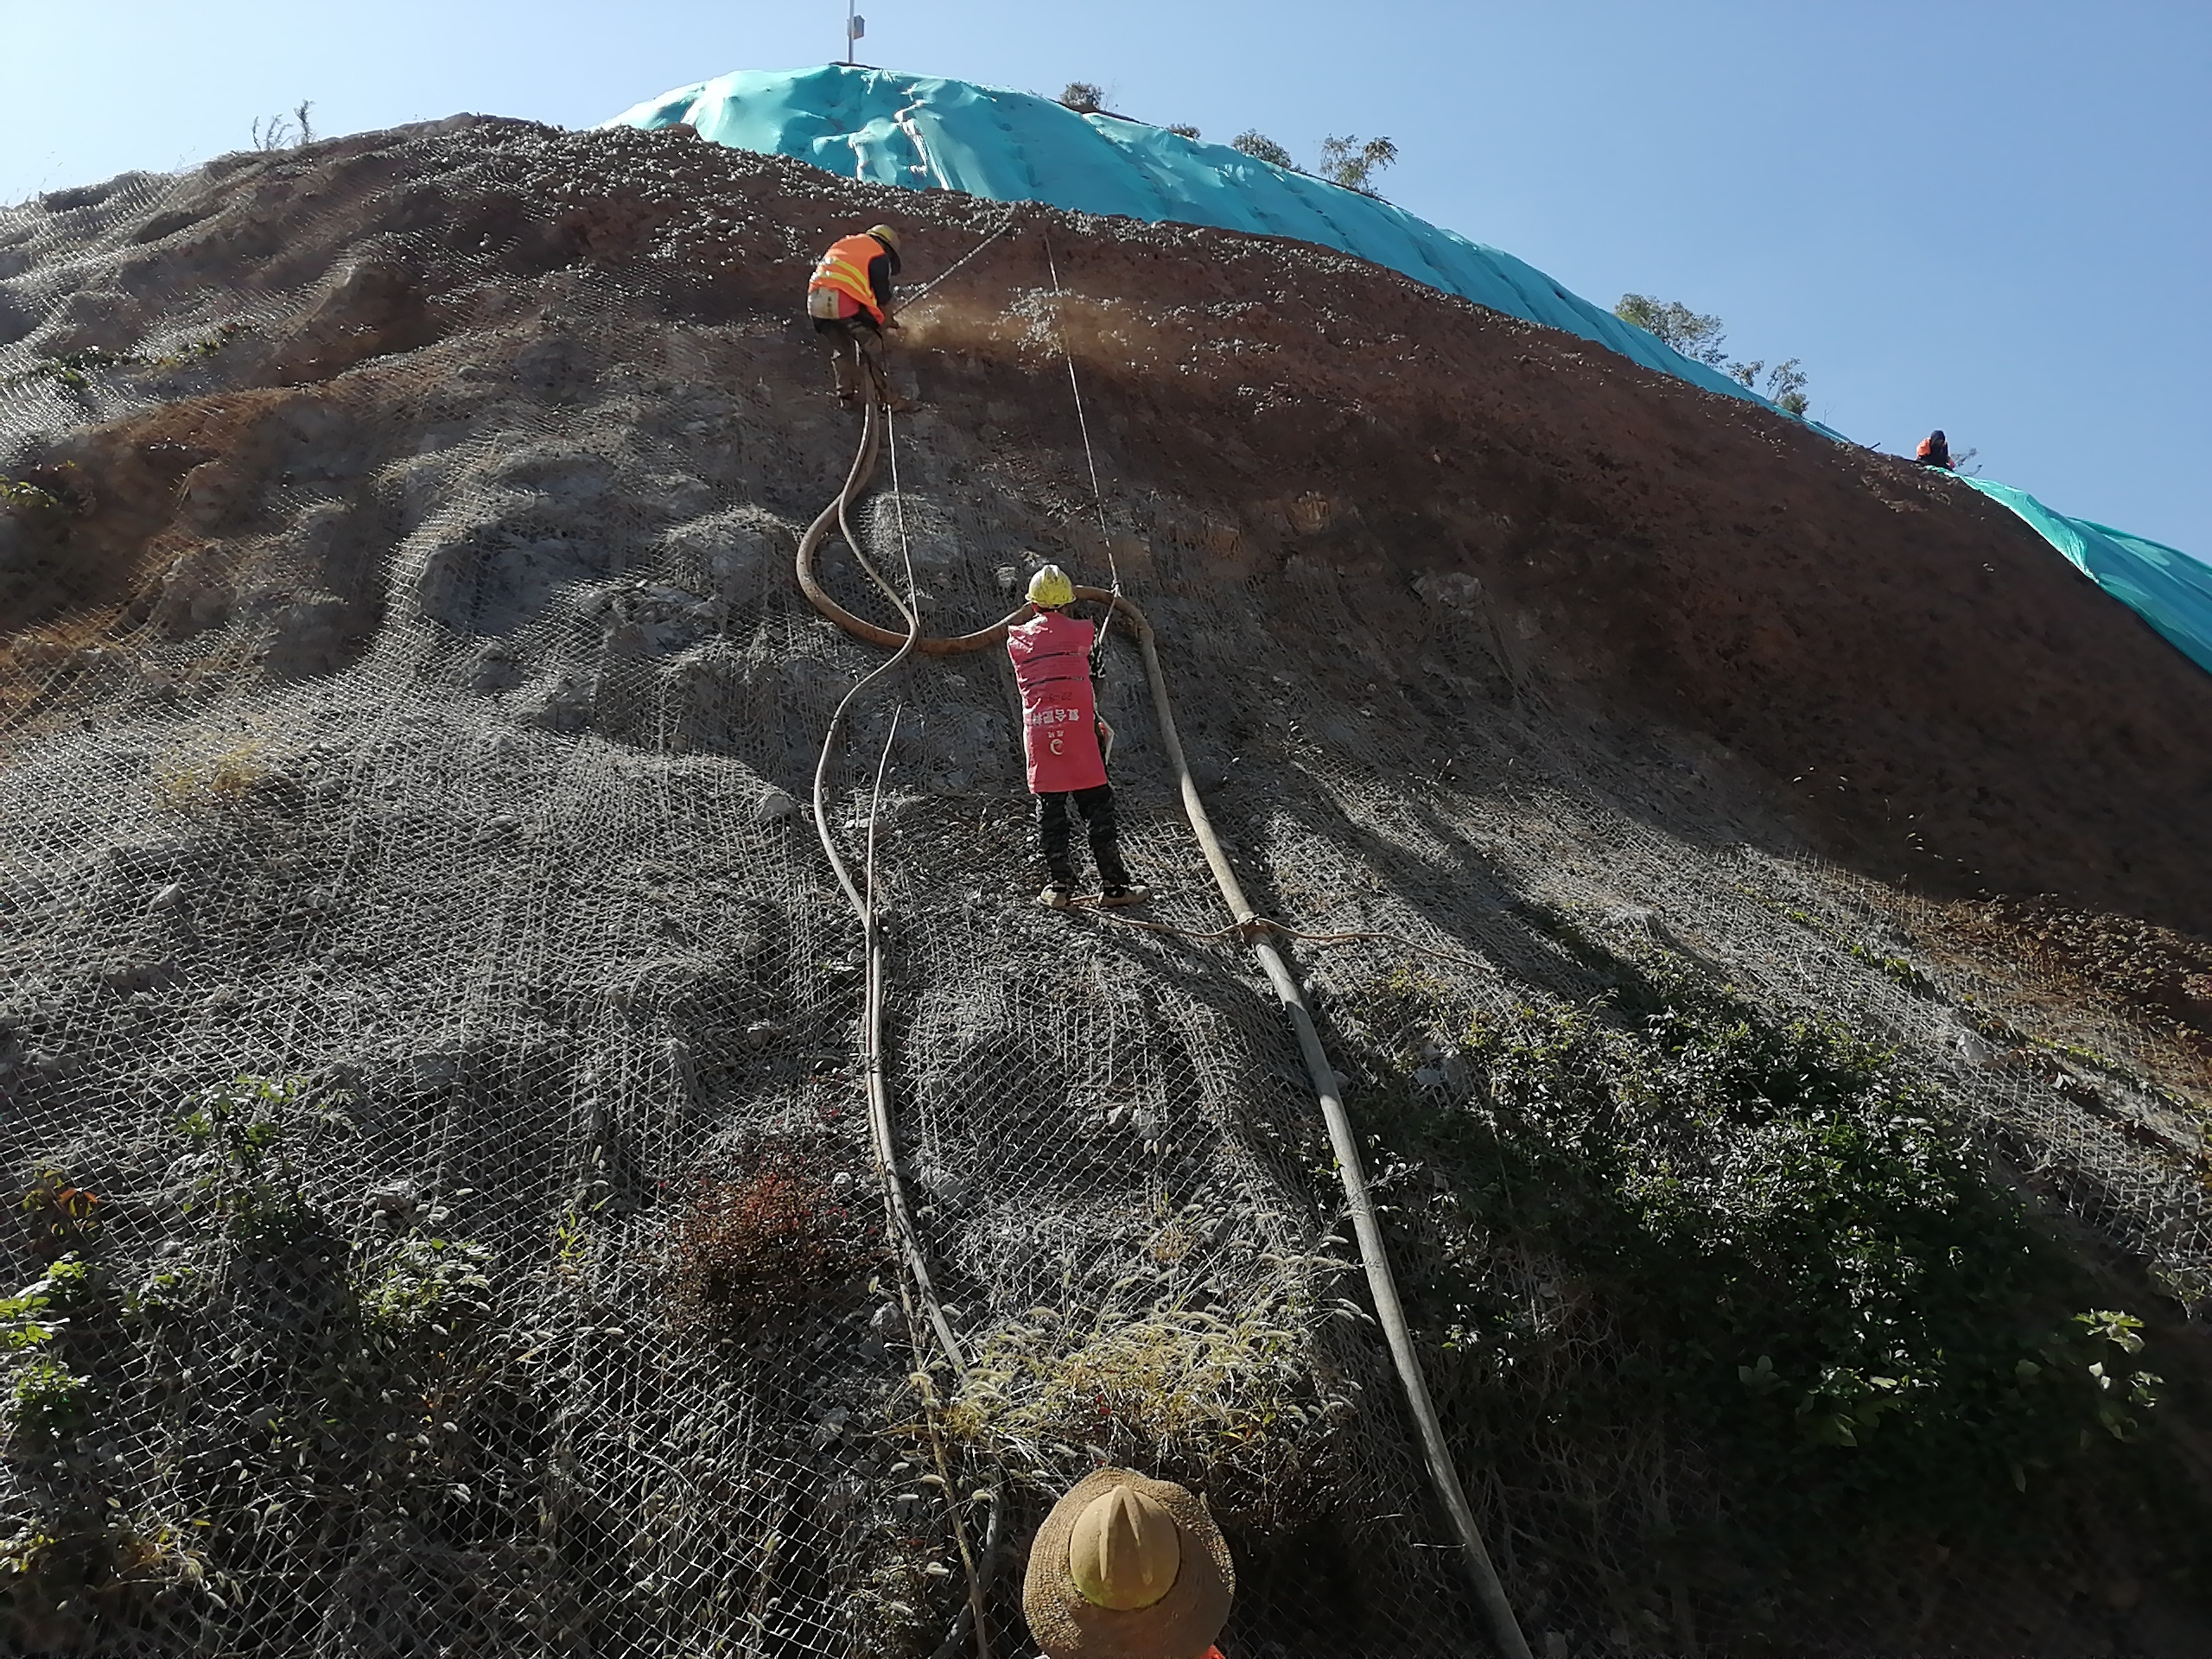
[[1126, 1567]]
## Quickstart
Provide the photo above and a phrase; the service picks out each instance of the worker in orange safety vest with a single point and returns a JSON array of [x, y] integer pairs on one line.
[[849, 299]]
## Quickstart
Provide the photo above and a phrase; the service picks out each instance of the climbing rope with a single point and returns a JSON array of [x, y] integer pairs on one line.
[[1247, 924], [1083, 425]]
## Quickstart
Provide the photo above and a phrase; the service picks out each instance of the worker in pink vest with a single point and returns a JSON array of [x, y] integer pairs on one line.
[[1060, 729]]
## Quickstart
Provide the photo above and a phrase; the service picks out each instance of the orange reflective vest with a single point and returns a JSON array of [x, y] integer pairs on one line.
[[844, 270]]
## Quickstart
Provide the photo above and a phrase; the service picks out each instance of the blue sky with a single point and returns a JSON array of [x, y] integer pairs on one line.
[[1995, 217]]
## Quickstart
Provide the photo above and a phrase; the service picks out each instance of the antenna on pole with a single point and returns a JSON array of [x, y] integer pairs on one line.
[[856, 26]]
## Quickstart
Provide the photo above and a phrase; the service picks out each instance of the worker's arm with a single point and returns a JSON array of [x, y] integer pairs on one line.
[[878, 279]]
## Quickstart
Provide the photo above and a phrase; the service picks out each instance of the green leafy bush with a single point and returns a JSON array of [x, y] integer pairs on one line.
[[18, 492], [431, 1287], [28, 1319], [47, 1401], [1260, 148], [253, 1134], [1793, 1256]]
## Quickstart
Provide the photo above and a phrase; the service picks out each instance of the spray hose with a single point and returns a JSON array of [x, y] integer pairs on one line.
[[1382, 1289]]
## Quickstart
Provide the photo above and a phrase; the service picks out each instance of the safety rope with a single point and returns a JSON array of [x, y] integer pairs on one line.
[[1283, 930], [1083, 425], [1013, 215]]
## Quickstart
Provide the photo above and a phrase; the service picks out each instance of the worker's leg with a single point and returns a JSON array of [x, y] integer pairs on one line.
[[1096, 806], [867, 343], [833, 338], [1053, 839]]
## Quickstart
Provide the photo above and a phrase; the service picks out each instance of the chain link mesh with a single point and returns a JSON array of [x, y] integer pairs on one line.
[[446, 762]]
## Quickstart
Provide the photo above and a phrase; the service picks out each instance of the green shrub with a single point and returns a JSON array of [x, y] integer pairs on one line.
[[431, 1287], [1260, 148], [254, 1134], [48, 1400], [28, 1319], [1793, 1257]]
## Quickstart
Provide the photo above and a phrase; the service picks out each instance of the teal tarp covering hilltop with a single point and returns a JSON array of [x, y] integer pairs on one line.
[[922, 132], [2165, 586]]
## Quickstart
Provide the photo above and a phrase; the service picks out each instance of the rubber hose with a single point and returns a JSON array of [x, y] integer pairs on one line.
[[1382, 1283]]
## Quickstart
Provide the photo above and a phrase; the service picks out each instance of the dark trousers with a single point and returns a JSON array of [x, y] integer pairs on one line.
[[1096, 806], [849, 341]]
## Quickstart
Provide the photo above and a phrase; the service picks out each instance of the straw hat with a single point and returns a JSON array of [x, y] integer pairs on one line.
[[1126, 1567]]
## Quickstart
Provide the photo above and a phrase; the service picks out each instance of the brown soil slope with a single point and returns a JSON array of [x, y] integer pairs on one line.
[[1912, 674], [403, 691]]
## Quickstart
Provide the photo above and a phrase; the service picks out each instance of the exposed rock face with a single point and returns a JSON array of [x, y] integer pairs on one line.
[[404, 690]]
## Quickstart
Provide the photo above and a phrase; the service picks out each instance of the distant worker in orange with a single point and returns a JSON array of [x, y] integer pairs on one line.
[[850, 298], [1053, 659], [1935, 450], [1126, 1567]]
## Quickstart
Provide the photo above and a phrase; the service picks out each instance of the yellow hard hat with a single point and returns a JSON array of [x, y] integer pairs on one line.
[[885, 235], [1051, 586]]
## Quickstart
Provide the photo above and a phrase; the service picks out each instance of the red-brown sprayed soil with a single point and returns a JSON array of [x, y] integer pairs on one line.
[[1900, 666]]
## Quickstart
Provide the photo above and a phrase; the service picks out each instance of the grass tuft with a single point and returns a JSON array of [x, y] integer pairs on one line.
[[1234, 1403]]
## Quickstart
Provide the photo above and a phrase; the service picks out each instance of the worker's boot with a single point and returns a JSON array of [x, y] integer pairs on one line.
[[1117, 895], [1057, 895]]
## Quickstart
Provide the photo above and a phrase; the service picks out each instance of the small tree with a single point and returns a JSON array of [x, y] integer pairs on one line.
[[1704, 340], [282, 132], [1183, 129], [1785, 385], [1695, 335], [1083, 96], [1260, 148], [1352, 164]]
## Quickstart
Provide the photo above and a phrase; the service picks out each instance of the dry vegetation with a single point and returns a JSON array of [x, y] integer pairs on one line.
[[767, 1235]]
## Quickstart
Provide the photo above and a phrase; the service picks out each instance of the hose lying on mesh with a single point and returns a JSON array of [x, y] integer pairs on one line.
[[880, 1127], [1381, 1284]]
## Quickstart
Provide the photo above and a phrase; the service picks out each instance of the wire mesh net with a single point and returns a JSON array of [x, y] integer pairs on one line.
[[421, 973]]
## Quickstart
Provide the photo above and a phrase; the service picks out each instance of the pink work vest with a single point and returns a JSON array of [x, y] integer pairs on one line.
[[1059, 721]]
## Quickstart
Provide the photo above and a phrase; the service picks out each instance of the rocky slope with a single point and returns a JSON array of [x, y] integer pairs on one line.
[[406, 694]]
